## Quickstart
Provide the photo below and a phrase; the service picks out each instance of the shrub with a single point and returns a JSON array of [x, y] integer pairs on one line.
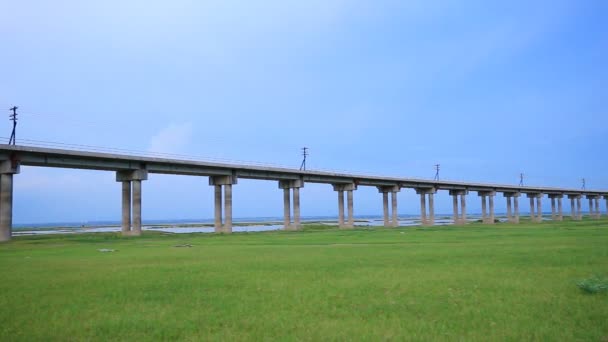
[[594, 284]]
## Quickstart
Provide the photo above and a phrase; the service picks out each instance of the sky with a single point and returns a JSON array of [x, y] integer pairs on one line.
[[488, 90]]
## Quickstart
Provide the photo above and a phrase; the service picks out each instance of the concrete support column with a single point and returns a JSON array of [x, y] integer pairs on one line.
[[516, 207], [556, 214], [385, 190], [455, 209], [491, 199], [579, 211], [509, 211], [348, 188], [296, 208], [218, 224], [385, 207], [606, 200], [340, 208], [487, 218], [136, 205], [286, 209], [431, 209], [126, 208], [484, 211], [228, 208], [427, 218], [423, 209], [456, 217], [572, 210], [539, 208], [594, 206], [512, 206], [349, 202], [131, 199], [291, 188], [223, 184], [6, 206], [463, 207], [395, 216], [532, 210]]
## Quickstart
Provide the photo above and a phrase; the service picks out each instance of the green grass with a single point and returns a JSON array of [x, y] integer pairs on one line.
[[465, 283]]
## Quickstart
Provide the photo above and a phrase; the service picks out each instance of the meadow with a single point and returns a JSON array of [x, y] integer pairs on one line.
[[500, 282]]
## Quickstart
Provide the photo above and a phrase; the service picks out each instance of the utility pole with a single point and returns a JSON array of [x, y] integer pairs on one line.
[[304, 154], [521, 179], [437, 171], [13, 118], [583, 181]]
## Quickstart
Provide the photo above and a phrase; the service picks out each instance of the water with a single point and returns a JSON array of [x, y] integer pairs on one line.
[[250, 224]]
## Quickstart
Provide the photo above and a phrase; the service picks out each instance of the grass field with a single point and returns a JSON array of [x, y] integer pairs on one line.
[[467, 283]]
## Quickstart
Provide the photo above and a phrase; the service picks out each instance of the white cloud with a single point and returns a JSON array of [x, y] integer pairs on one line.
[[171, 139]]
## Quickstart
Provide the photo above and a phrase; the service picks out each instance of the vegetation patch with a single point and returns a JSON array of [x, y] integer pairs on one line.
[[594, 284]]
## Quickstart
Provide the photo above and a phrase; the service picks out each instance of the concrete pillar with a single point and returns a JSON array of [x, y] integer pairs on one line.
[[516, 208], [126, 208], [455, 208], [456, 217], [391, 220], [136, 230], [340, 208], [484, 215], [463, 208], [394, 212], [223, 183], [227, 208], [131, 192], [296, 208], [553, 213], [291, 188], [491, 199], [286, 209], [349, 201], [431, 209], [423, 209], [532, 210], [349, 188], [539, 208], [218, 224], [572, 210], [560, 213], [597, 207], [579, 211], [509, 211], [385, 207], [606, 202], [6, 206], [591, 210]]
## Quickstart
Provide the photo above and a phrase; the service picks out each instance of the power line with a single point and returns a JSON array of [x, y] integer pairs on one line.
[[304, 154], [13, 117]]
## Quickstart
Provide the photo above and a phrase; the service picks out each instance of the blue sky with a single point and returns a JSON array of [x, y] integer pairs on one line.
[[486, 89]]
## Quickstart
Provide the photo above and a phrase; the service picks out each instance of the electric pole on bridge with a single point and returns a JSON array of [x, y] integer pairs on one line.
[[304, 154], [437, 171], [583, 181], [13, 118], [521, 179]]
